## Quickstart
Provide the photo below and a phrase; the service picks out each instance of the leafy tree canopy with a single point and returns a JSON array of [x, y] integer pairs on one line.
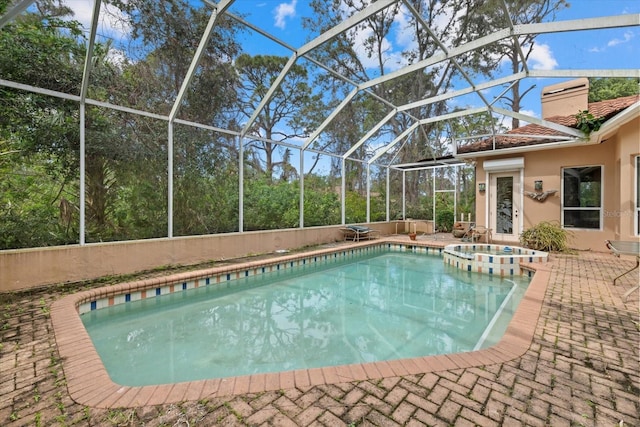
[[601, 89]]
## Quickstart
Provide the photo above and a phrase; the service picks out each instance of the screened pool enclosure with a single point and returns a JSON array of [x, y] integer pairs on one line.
[[124, 120]]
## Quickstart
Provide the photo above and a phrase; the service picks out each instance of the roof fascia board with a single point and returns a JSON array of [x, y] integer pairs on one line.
[[369, 134], [330, 118], [204, 41], [537, 121], [612, 125], [15, 11], [410, 167], [388, 147], [527, 148], [514, 135]]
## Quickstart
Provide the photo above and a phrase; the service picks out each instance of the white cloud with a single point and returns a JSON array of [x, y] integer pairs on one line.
[[542, 58], [283, 11], [626, 38], [117, 57], [112, 23], [405, 36]]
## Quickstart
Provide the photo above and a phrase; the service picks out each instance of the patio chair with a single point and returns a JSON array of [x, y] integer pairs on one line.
[[621, 247], [477, 232], [468, 233], [357, 233], [480, 232]]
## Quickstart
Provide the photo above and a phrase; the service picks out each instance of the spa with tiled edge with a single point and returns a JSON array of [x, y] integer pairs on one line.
[[500, 260]]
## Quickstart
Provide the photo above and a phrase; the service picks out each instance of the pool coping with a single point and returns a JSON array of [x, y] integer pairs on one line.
[[89, 384]]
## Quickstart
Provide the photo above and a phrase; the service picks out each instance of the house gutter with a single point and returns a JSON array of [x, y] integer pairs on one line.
[[605, 132]]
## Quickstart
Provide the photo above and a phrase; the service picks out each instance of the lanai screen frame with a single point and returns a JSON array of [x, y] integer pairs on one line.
[[221, 8]]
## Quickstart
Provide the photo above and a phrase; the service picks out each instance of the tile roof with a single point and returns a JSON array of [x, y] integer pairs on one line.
[[602, 109]]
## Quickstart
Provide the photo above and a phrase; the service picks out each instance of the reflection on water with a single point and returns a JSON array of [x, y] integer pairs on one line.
[[378, 308]]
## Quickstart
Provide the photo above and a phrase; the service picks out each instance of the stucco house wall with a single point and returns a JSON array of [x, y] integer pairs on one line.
[[616, 153]]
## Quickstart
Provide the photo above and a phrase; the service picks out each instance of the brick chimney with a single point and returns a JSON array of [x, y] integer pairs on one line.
[[566, 98]]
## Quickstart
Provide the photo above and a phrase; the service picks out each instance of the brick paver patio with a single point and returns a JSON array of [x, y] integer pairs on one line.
[[582, 368]]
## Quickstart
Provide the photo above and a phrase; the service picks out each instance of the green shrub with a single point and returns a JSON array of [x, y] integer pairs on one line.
[[546, 236], [444, 219]]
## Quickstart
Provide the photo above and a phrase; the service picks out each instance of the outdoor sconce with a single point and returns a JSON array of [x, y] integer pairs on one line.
[[538, 185], [482, 187]]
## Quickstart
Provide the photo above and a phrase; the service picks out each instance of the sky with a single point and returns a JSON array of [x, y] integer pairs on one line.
[[602, 49]]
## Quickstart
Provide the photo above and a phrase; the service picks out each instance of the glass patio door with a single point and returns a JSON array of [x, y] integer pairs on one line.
[[504, 210]]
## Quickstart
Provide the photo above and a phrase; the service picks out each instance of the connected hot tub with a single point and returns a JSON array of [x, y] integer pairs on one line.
[[501, 260]]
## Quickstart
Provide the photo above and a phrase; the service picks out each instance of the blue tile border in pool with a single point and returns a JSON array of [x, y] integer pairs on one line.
[[142, 290]]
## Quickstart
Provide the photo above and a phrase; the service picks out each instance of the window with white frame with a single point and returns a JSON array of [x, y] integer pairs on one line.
[[582, 197], [637, 212]]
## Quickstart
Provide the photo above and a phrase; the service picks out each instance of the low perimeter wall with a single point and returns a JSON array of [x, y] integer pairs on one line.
[[23, 269]]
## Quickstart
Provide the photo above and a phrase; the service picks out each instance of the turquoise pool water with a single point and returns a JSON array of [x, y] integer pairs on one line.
[[382, 307]]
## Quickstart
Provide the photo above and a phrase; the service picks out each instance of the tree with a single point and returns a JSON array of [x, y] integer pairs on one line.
[[444, 19], [205, 163], [38, 133], [275, 121], [601, 89], [490, 16]]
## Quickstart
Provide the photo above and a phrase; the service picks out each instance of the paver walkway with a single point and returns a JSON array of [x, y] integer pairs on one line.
[[581, 369]]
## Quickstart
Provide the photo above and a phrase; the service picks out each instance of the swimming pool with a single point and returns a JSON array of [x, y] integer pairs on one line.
[[384, 305], [89, 383]]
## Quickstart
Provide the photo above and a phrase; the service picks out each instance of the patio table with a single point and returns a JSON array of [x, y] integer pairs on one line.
[[621, 247]]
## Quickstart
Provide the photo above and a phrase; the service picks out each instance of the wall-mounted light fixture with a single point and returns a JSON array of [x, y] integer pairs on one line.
[[537, 185], [482, 187]]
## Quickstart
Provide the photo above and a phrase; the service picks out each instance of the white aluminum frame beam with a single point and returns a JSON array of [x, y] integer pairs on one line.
[[540, 28], [314, 135], [585, 73], [369, 134], [204, 41], [82, 104], [551, 125], [202, 46], [20, 7], [389, 146], [306, 48], [516, 42]]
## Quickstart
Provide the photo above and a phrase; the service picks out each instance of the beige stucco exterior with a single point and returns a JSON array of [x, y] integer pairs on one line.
[[615, 151], [22, 269]]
